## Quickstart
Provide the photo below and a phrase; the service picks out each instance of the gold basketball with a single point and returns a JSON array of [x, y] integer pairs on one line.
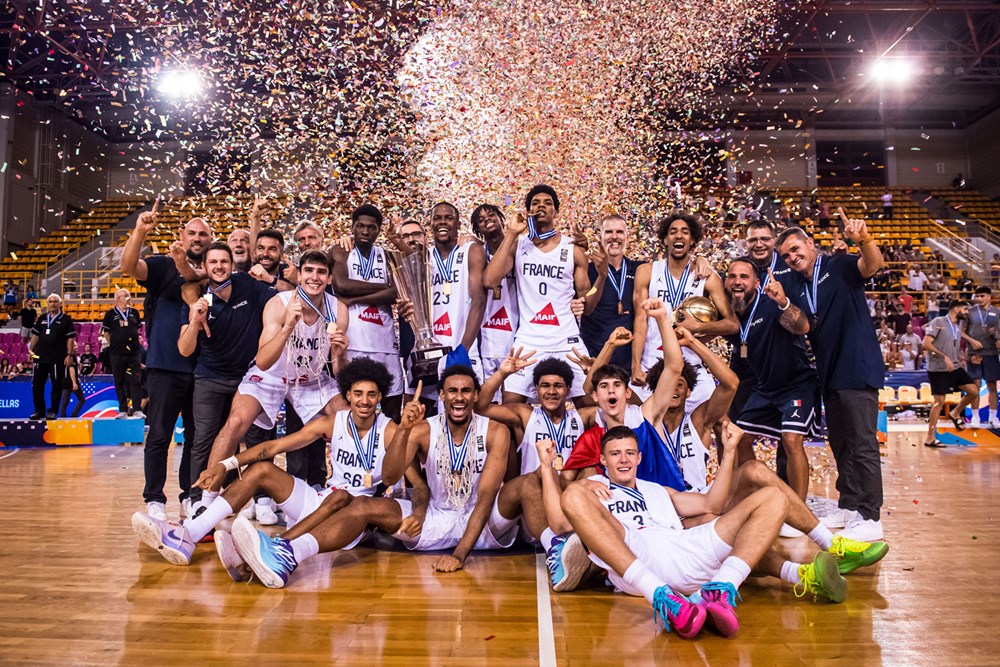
[[699, 307]]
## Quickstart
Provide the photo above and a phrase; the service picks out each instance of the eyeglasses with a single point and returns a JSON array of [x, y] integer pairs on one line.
[[760, 239]]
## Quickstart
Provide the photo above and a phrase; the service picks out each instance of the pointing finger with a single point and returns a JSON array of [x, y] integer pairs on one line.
[[843, 216], [420, 388], [156, 206]]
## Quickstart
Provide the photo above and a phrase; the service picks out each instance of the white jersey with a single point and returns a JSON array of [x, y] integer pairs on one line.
[[691, 455], [538, 429], [653, 350], [348, 467], [545, 290], [450, 299], [633, 417], [646, 506], [500, 320], [372, 328], [452, 491], [307, 351]]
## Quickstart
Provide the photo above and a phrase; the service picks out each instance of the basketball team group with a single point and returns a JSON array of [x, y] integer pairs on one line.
[[538, 386]]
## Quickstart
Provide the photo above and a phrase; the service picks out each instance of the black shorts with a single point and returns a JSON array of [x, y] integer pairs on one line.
[[945, 382], [794, 409], [743, 393], [989, 370]]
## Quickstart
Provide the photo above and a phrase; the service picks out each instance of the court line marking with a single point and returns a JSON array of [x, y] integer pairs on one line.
[[9, 454], [546, 637]]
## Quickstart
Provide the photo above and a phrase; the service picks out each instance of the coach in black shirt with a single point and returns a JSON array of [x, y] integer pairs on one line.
[[120, 329], [232, 309], [53, 341], [850, 367], [170, 375]]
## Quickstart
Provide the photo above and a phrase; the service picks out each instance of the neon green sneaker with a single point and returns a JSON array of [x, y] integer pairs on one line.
[[821, 578], [852, 554]]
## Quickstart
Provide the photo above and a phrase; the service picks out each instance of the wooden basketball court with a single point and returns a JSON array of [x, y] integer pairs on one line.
[[79, 588]]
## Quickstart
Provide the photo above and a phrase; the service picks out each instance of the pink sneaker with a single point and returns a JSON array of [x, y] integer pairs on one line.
[[677, 611], [719, 601]]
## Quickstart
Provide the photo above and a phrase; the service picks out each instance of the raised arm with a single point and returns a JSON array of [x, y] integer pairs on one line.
[[130, 262], [673, 363], [871, 257], [398, 452], [279, 322], [715, 408], [792, 318], [689, 503], [551, 489], [514, 416], [640, 326], [727, 324], [503, 259], [620, 337], [477, 294]]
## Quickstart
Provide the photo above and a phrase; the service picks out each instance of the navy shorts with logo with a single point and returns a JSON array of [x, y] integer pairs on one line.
[[791, 410]]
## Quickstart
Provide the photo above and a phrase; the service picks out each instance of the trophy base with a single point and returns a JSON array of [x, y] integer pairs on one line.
[[425, 365]]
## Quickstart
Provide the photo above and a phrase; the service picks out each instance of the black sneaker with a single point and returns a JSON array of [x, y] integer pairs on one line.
[[37, 416], [51, 415]]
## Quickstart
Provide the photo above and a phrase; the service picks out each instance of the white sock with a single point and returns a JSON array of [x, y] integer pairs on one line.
[[734, 571], [208, 496], [202, 525], [642, 578], [304, 547], [790, 572], [546, 538], [822, 536]]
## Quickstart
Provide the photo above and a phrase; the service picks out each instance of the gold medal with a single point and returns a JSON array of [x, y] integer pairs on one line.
[[496, 292], [331, 327], [744, 352], [446, 288], [619, 307], [557, 462], [208, 299], [368, 479]]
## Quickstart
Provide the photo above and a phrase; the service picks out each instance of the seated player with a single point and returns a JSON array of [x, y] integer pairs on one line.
[[633, 529], [359, 439], [463, 456]]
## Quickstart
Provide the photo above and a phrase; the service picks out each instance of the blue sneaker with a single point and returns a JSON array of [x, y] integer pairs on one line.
[[168, 538], [677, 611], [718, 598], [270, 558], [567, 561]]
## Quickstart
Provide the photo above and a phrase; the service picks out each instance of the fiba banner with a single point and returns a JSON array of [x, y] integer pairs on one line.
[[101, 399]]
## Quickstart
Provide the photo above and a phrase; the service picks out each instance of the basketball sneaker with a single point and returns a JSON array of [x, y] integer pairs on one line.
[[265, 514], [167, 537], [677, 611], [230, 557], [838, 518], [567, 561], [156, 510], [718, 598], [852, 554], [821, 578], [270, 558], [863, 530]]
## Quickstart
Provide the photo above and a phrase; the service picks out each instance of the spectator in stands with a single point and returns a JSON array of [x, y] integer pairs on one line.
[[10, 298], [171, 376], [959, 182], [120, 329], [912, 342], [53, 343], [887, 206], [71, 386], [917, 279], [871, 304], [965, 286], [933, 305], [823, 215], [30, 292], [88, 361], [7, 370], [904, 299], [28, 315], [935, 281], [995, 269]]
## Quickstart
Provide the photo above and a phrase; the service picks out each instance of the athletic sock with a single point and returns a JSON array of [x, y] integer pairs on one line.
[[822, 536], [208, 496], [304, 547], [642, 578], [546, 539], [734, 571], [202, 525], [790, 572]]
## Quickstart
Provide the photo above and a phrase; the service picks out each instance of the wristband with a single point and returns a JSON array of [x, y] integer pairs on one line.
[[788, 303], [231, 463]]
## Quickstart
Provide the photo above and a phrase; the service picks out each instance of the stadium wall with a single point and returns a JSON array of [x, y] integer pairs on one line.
[[984, 155]]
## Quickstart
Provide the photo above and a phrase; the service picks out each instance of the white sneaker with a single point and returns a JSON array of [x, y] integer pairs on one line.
[[248, 511], [863, 530], [838, 519], [187, 508], [157, 511], [265, 515], [975, 422], [789, 531], [138, 414], [995, 423], [121, 415], [230, 557]]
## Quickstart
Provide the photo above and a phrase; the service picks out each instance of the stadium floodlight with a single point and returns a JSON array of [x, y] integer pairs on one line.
[[180, 84], [895, 71]]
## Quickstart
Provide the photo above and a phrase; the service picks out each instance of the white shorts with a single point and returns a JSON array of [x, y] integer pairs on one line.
[[304, 501], [684, 559], [25, 332], [271, 391], [522, 382], [443, 529], [391, 361], [490, 366], [703, 389]]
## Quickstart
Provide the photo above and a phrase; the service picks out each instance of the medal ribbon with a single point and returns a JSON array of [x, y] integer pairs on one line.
[[444, 268], [366, 264], [366, 451], [675, 292], [618, 283], [557, 433], [634, 493], [458, 455], [329, 317], [745, 328], [533, 230], [812, 295]]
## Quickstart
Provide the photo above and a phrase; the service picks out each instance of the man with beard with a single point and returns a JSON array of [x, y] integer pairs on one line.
[[224, 327], [672, 280], [269, 269], [170, 375], [981, 336], [849, 362], [610, 305], [361, 280], [241, 240], [783, 403], [500, 321], [551, 273], [942, 344]]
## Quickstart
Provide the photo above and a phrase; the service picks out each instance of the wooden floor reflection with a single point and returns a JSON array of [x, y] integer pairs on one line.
[[79, 589]]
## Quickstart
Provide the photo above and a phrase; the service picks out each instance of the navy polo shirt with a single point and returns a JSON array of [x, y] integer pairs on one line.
[[843, 339], [776, 356], [164, 312], [236, 326], [596, 327]]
